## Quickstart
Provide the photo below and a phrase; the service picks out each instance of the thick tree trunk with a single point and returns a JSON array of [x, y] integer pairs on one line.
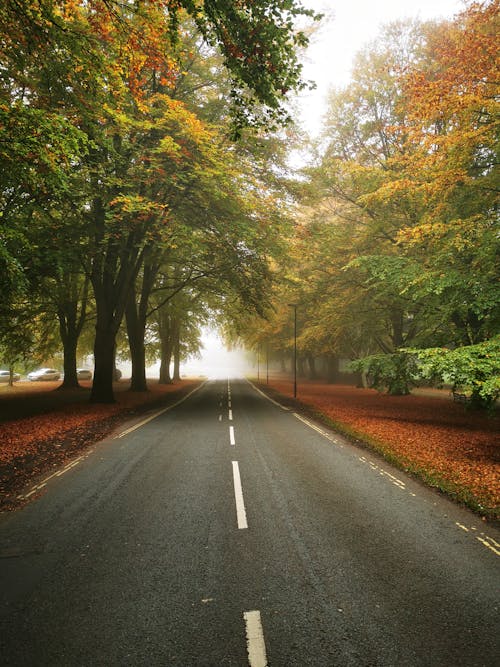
[[136, 328], [70, 344], [104, 364], [113, 274], [104, 358]]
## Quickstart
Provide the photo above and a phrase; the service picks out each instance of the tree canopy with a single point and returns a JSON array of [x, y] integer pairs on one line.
[[144, 184], [397, 243]]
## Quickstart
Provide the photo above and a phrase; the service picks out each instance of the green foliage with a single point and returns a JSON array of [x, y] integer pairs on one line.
[[473, 369], [259, 42], [394, 373]]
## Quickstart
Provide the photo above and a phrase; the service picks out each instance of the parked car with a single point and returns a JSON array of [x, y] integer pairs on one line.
[[44, 374], [5, 376], [83, 374]]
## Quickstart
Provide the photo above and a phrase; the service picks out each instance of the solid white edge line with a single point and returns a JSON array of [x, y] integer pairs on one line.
[[319, 430], [231, 436], [256, 646], [266, 396], [241, 514], [160, 412]]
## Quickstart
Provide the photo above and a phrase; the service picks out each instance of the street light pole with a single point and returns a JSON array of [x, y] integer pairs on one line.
[[294, 306], [267, 362]]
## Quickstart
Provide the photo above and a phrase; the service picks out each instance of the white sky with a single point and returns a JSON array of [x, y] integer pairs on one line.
[[350, 25]]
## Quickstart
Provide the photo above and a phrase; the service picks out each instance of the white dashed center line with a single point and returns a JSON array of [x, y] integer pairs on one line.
[[238, 494], [256, 646], [231, 435], [230, 415]]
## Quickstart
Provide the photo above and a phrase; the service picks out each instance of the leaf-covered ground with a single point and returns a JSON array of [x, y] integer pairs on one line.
[[442, 442], [445, 444], [42, 427]]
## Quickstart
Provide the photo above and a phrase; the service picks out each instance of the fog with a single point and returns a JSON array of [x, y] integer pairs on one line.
[[215, 361]]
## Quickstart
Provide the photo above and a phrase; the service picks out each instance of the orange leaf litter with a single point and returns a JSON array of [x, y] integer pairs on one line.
[[425, 432]]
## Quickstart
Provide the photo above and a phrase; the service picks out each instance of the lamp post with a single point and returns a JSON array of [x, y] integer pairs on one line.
[[267, 363], [294, 306]]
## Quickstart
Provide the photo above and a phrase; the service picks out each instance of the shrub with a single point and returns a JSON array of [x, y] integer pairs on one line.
[[472, 369], [394, 373]]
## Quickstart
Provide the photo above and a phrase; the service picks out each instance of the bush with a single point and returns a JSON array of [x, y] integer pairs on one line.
[[394, 373], [472, 369]]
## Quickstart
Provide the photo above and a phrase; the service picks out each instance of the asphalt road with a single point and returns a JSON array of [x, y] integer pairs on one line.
[[228, 531]]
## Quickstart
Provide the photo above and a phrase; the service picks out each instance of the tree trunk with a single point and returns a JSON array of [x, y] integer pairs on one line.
[[71, 313], [70, 344], [283, 363], [166, 345], [166, 357], [177, 350], [313, 375], [397, 325], [104, 364], [332, 366], [113, 275], [136, 328]]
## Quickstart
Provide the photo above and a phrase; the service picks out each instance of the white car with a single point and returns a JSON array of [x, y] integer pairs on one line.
[[83, 374], [44, 374], [5, 376]]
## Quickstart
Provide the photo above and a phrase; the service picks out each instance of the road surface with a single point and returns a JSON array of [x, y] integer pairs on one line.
[[231, 531]]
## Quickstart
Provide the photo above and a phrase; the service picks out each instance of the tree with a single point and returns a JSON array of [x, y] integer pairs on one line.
[[106, 69], [453, 126]]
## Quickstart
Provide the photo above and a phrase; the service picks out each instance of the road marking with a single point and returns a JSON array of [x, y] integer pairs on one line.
[[256, 646], [268, 397], [230, 415], [485, 540], [220, 418], [157, 414], [231, 435], [69, 466], [238, 494], [394, 480], [326, 435], [487, 544], [58, 473]]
